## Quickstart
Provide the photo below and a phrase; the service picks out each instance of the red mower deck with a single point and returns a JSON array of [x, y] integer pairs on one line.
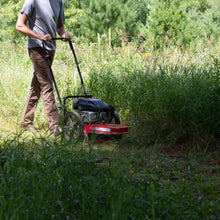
[[105, 128]]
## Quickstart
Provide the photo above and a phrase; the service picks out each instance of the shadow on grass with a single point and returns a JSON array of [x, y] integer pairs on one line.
[[46, 177]]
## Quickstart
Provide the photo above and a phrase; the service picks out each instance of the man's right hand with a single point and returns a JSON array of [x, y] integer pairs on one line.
[[46, 37]]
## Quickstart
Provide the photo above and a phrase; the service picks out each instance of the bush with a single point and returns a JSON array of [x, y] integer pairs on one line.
[[183, 22], [100, 16], [9, 16]]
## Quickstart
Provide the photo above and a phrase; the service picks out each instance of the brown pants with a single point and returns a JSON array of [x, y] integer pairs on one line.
[[42, 84]]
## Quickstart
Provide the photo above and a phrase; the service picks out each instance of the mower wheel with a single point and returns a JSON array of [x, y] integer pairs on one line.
[[115, 118], [73, 125]]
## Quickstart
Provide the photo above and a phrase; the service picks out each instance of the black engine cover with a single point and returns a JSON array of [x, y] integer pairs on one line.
[[91, 104]]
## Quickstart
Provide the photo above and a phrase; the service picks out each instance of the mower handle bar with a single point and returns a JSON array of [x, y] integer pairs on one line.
[[47, 57], [77, 64]]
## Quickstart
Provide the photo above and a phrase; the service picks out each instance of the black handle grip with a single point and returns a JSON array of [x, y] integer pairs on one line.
[[57, 38]]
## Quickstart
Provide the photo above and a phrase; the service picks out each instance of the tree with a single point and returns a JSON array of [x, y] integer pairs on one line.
[[9, 15], [180, 22], [100, 16]]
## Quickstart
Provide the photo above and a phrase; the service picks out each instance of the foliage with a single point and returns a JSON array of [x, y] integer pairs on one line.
[[44, 178], [182, 22], [9, 15], [172, 104], [72, 15], [100, 16], [142, 9], [165, 23]]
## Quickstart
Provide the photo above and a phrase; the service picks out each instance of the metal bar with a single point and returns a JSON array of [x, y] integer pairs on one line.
[[51, 71], [80, 75]]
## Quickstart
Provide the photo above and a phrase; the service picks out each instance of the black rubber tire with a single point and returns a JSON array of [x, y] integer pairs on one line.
[[73, 125], [116, 120]]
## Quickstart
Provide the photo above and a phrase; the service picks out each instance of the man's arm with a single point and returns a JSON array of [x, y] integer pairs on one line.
[[61, 31], [24, 29]]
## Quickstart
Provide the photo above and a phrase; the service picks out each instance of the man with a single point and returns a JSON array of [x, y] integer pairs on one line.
[[45, 18]]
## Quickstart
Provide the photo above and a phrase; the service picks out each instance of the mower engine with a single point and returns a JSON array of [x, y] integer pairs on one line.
[[94, 110], [99, 117], [94, 117]]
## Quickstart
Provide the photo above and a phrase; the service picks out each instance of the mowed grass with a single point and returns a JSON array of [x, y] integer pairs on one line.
[[45, 178]]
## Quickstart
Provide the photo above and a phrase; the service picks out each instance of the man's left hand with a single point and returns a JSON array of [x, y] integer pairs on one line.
[[66, 37]]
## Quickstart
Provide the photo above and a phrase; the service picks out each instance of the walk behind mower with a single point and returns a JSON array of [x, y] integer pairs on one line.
[[89, 115]]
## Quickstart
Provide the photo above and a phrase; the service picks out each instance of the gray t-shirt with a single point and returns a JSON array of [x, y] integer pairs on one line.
[[43, 18]]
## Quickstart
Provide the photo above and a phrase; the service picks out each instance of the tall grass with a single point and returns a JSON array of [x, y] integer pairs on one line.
[[172, 99], [165, 104], [169, 96]]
